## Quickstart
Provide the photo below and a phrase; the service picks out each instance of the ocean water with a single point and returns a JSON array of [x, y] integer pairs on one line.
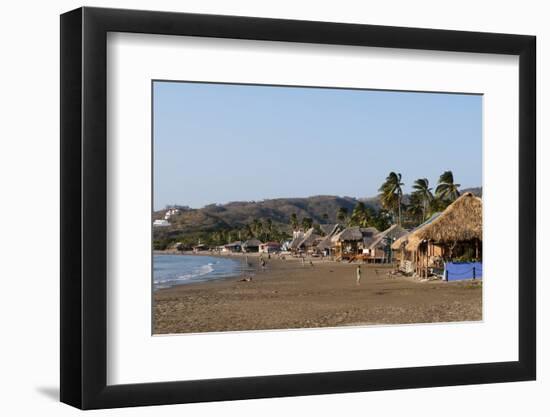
[[170, 270]]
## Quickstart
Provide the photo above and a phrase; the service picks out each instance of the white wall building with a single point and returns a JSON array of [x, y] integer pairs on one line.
[[161, 223]]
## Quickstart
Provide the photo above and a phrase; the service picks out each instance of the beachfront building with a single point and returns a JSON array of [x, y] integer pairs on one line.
[[324, 247], [201, 247], [349, 243], [251, 245], [308, 242], [455, 234], [270, 247], [180, 247], [378, 248], [171, 212], [161, 223], [405, 257], [232, 247], [297, 238]]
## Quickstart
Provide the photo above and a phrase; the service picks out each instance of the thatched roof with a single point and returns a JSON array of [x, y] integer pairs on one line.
[[403, 240], [461, 221], [326, 242], [233, 244], [272, 243], [393, 232], [297, 240], [349, 234], [309, 238], [327, 229], [354, 234], [252, 243], [413, 242]]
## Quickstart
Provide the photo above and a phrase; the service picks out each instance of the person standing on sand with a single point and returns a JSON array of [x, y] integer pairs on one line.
[[358, 272]]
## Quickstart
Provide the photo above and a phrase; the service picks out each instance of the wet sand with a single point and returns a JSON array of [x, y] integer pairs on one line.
[[289, 295]]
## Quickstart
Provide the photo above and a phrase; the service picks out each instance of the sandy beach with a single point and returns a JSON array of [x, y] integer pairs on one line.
[[290, 295]]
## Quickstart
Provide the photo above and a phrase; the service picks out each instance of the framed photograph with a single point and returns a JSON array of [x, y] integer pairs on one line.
[[259, 208]]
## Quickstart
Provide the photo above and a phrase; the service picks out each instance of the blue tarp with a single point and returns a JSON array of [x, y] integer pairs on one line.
[[456, 271]]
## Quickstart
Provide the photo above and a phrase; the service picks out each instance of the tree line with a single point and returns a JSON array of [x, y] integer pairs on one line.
[[422, 202], [420, 205]]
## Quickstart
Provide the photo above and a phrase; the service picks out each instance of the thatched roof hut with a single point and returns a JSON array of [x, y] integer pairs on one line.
[[296, 240], [326, 242], [251, 244], [354, 234], [309, 238], [461, 221]]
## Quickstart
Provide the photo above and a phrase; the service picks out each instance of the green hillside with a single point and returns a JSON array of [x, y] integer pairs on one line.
[[220, 223]]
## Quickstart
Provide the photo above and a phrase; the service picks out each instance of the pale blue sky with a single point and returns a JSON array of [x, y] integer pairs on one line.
[[215, 143]]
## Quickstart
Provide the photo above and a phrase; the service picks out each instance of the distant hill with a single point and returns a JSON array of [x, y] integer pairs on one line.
[[240, 213], [477, 191]]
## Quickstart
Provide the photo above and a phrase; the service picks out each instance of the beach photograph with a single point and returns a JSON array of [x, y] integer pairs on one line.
[[286, 207]]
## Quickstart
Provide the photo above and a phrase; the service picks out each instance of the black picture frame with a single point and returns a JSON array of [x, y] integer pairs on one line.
[[84, 207]]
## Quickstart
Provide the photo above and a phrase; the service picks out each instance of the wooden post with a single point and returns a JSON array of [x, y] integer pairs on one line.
[[428, 258]]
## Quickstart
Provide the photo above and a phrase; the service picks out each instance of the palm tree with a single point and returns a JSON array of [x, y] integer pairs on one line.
[[294, 221], [381, 219], [438, 204], [415, 208], [229, 236], [446, 188], [391, 193], [360, 216], [268, 228], [342, 214], [424, 192], [256, 228], [307, 223], [249, 233]]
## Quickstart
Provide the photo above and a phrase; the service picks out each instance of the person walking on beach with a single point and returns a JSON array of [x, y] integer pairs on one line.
[[358, 272]]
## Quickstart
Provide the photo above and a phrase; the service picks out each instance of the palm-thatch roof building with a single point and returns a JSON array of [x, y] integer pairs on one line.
[[251, 245], [297, 237], [232, 247], [349, 243], [460, 222], [308, 242], [324, 246], [200, 247], [456, 233]]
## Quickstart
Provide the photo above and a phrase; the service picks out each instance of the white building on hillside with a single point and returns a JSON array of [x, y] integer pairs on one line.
[[161, 223]]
